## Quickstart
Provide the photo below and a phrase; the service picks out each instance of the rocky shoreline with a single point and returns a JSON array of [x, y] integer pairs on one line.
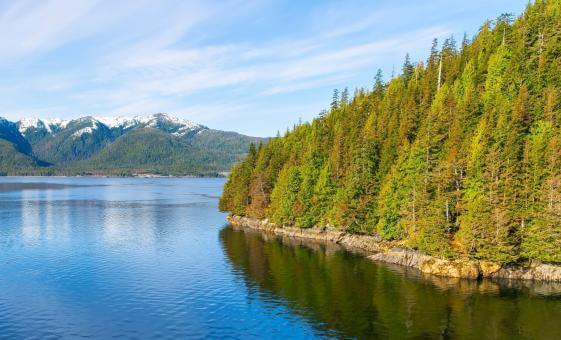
[[377, 249]]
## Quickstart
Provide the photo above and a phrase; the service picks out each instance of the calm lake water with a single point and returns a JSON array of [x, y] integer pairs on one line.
[[153, 258]]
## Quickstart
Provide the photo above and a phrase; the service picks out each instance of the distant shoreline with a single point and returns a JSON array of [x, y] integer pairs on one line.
[[213, 175]]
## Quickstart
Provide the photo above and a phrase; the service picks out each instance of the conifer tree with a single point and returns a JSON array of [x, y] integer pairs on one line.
[[345, 96], [460, 155], [407, 68], [335, 100]]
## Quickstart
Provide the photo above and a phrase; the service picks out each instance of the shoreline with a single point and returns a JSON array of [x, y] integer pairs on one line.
[[376, 249], [108, 176]]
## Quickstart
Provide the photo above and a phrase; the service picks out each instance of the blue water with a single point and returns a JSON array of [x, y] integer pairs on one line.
[[153, 258], [136, 258]]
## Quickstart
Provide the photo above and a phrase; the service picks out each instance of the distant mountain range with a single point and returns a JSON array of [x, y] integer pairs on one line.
[[153, 144]]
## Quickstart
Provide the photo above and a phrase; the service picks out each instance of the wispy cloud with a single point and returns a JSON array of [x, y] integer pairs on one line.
[[221, 61], [182, 72], [32, 27]]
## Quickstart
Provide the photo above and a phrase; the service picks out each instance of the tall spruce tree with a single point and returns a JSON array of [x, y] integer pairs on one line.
[[460, 155]]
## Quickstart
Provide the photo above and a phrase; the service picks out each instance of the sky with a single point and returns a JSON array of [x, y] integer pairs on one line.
[[251, 66]]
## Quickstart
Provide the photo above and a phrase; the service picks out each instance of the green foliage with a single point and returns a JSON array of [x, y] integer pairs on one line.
[[284, 196], [106, 151], [12, 158], [458, 156], [236, 198]]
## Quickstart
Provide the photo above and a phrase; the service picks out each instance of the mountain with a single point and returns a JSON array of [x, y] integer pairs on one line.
[[458, 157], [148, 148], [158, 143], [69, 142], [12, 158], [9, 132], [15, 150]]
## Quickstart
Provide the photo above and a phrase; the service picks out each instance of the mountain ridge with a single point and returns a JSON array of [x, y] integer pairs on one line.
[[86, 144], [52, 125]]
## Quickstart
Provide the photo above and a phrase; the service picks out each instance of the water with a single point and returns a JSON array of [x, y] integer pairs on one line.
[[153, 258]]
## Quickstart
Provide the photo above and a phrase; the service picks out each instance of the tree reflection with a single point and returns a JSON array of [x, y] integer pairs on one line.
[[338, 291]]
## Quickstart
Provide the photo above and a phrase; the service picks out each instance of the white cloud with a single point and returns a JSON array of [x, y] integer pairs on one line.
[[129, 57], [306, 84], [175, 72], [31, 27]]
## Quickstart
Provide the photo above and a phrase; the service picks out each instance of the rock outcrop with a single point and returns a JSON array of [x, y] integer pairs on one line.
[[428, 264], [377, 249]]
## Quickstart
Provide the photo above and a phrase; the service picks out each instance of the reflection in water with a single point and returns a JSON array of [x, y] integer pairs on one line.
[[337, 290], [30, 222], [149, 258], [18, 186], [39, 221], [120, 228]]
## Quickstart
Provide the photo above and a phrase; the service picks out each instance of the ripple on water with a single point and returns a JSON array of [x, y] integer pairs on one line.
[[151, 259]]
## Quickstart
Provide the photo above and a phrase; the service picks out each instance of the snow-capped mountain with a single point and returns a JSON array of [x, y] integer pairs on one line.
[[158, 141], [153, 120], [9, 132], [161, 121], [35, 123]]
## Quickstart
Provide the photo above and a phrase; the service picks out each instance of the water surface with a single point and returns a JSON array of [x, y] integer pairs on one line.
[[153, 258]]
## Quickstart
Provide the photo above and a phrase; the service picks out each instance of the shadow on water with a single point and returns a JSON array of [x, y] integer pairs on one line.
[[346, 295]]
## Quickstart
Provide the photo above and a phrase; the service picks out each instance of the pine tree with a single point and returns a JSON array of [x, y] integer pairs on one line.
[[408, 68], [335, 100], [284, 195], [236, 198], [345, 97], [379, 81], [460, 155]]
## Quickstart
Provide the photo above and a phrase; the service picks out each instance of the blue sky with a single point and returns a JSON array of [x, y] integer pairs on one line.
[[253, 66]]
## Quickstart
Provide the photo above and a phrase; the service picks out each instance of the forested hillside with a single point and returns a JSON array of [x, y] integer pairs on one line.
[[460, 155], [153, 144]]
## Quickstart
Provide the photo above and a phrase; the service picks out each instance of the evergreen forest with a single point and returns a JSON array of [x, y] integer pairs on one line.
[[457, 156]]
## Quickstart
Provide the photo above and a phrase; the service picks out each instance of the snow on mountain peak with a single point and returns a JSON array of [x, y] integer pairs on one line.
[[172, 124], [36, 123], [153, 120], [28, 123], [117, 122], [82, 131]]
